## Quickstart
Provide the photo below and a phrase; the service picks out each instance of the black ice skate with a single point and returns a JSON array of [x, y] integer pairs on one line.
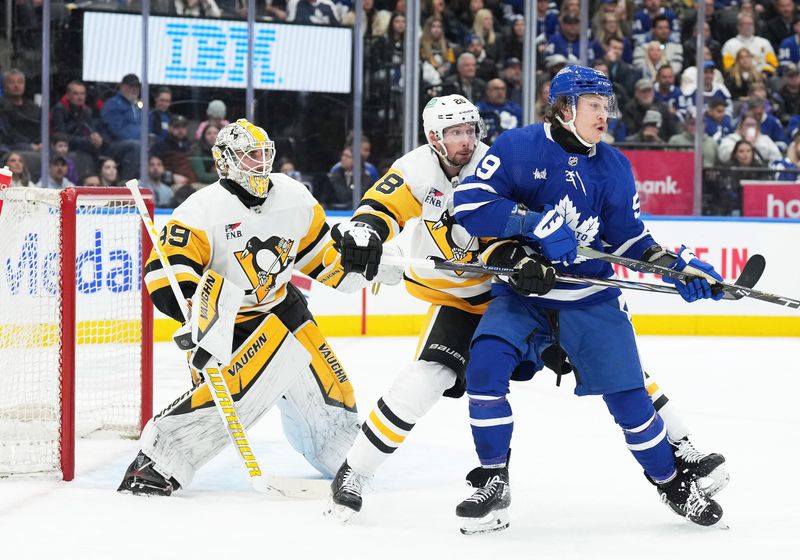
[[346, 490], [707, 468], [683, 495], [142, 479], [487, 509]]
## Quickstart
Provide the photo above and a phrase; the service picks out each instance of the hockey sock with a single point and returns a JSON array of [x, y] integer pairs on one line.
[[491, 362], [676, 427], [644, 431]]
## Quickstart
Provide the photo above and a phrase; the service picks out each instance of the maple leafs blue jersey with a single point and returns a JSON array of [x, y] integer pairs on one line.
[[595, 193]]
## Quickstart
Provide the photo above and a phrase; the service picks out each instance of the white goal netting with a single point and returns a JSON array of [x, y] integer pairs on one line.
[[38, 331]]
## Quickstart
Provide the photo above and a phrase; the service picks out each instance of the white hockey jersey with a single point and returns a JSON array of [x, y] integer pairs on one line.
[[416, 187], [255, 247]]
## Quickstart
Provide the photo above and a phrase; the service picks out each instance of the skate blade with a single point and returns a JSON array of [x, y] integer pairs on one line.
[[716, 480], [495, 521], [339, 513]]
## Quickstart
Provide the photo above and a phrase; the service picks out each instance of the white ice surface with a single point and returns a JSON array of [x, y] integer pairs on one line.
[[577, 492]]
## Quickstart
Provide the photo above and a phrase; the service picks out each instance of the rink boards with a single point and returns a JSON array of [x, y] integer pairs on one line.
[[725, 243]]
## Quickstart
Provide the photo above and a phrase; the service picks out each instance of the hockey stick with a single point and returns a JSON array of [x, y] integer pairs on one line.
[[736, 290], [441, 264], [223, 400]]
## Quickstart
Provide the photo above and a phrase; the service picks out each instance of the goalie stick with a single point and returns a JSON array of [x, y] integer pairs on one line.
[[223, 401]]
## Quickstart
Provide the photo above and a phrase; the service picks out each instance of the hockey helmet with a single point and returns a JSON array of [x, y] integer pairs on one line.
[[574, 81], [446, 111], [243, 153]]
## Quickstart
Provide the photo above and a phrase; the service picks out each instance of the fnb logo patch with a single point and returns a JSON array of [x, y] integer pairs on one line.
[[434, 197], [232, 231]]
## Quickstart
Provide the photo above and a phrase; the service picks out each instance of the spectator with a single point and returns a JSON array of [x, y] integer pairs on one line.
[[21, 177], [376, 22], [91, 180], [652, 58], [672, 51], [73, 118], [718, 122], [202, 160], [366, 151], [666, 91], [689, 74], [644, 21], [790, 164], [109, 173], [765, 59], [453, 31], [337, 194], [554, 63], [541, 101], [746, 162], [748, 129], [155, 181], [609, 28], [487, 68], [566, 41], [197, 8], [436, 54], [686, 138], [56, 174], [467, 16], [275, 9], [311, 12], [620, 72], [789, 48], [160, 115], [742, 74], [465, 82], [497, 112], [790, 91], [387, 58], [215, 112], [286, 166], [59, 145], [714, 47], [781, 26], [769, 125], [483, 27], [650, 130], [175, 151], [711, 90], [643, 100], [511, 74], [122, 118], [513, 45], [22, 115], [568, 7]]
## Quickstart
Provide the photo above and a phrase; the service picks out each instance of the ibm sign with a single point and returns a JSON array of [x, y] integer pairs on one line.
[[213, 53]]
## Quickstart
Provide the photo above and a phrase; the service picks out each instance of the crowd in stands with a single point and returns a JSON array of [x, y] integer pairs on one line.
[[750, 87]]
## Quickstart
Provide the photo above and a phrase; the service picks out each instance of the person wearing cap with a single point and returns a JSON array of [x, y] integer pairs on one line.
[[56, 174], [511, 74], [643, 101], [175, 151], [554, 63], [649, 133], [122, 120], [789, 49], [21, 115], [487, 68], [566, 41], [686, 138], [215, 112]]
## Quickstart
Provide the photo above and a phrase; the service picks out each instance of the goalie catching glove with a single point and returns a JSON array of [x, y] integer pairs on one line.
[[360, 247], [532, 274]]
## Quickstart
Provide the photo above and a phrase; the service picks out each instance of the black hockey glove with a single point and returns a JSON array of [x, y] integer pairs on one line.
[[360, 247], [532, 273]]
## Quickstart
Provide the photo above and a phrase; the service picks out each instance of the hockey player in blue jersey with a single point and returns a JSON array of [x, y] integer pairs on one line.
[[544, 190]]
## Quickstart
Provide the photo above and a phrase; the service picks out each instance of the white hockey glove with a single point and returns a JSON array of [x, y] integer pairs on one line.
[[360, 246]]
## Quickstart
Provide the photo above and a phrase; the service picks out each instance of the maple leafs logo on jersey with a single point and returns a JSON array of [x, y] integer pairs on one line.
[[585, 231], [442, 233], [263, 261]]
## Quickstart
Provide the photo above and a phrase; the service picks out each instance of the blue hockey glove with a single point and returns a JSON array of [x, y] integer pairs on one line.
[[548, 229], [699, 288]]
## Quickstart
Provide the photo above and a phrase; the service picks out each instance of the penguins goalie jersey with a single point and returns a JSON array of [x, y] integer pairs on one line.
[[255, 247], [416, 187]]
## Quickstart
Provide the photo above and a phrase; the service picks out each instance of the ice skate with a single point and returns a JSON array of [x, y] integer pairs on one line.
[[486, 510], [683, 495], [142, 479], [346, 490], [707, 468]]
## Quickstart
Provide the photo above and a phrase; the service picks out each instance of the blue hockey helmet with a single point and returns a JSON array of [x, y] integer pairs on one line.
[[574, 81]]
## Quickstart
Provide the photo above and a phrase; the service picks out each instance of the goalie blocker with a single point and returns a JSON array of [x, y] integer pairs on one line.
[[277, 354]]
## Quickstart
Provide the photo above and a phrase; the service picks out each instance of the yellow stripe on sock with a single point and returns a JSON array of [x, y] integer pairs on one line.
[[384, 429]]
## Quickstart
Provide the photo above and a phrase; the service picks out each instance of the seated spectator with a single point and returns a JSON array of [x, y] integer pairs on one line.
[[621, 73], [711, 90], [465, 82], [566, 41], [718, 122], [666, 91], [155, 181], [686, 138], [513, 44], [59, 145], [541, 101], [175, 151], [690, 47], [769, 125], [197, 8], [609, 28], [311, 12], [366, 151], [122, 118], [790, 164], [644, 100], [511, 74], [781, 26], [436, 55], [653, 58], [789, 48], [90, 180], [748, 129], [453, 31], [286, 166], [487, 68], [160, 115], [497, 112], [483, 27], [215, 112], [73, 118], [645, 19], [109, 173], [376, 22], [650, 130], [671, 50], [337, 193], [689, 74], [554, 64], [21, 177], [56, 174], [23, 116], [790, 92], [202, 160], [275, 9], [763, 53], [741, 75]]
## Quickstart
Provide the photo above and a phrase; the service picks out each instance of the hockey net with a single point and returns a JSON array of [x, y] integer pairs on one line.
[[75, 324]]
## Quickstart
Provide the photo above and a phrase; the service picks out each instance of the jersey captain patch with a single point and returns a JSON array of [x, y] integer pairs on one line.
[[441, 232], [263, 261]]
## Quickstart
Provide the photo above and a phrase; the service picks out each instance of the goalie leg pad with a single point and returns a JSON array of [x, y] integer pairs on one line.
[[188, 433], [318, 412]]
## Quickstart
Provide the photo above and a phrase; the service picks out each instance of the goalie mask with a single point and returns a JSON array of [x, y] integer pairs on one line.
[[243, 153], [443, 112]]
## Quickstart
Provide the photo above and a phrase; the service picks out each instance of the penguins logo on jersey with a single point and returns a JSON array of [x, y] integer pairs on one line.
[[442, 233], [263, 261]]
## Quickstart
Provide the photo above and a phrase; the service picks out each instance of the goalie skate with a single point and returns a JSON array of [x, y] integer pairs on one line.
[[486, 511], [142, 479], [708, 469]]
